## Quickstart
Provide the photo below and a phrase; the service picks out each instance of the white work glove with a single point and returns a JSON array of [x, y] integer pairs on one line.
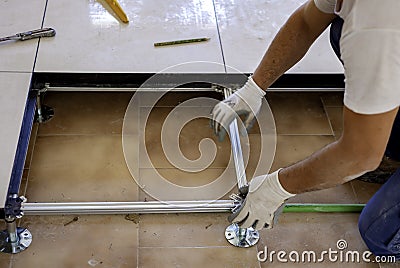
[[263, 204], [246, 101]]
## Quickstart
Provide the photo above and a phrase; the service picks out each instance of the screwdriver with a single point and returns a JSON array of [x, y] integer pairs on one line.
[[45, 32]]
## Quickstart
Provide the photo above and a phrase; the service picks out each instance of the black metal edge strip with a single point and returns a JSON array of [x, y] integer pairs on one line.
[[20, 155], [135, 80]]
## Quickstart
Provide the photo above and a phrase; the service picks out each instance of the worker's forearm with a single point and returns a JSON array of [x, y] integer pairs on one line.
[[288, 47], [328, 167], [359, 150]]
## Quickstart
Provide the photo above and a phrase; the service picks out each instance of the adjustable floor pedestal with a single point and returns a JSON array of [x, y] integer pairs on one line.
[[14, 240], [241, 237]]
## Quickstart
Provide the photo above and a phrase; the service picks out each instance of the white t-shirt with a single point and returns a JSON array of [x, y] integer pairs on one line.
[[370, 51]]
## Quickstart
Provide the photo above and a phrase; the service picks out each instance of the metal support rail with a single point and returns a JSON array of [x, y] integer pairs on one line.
[[178, 89], [127, 207], [237, 152]]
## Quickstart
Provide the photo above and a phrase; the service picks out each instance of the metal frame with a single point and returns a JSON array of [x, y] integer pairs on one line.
[[16, 206]]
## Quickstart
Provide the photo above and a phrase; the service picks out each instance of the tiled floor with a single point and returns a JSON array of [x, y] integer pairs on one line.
[[78, 157]]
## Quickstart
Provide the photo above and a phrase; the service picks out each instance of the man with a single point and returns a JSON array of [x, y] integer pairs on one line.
[[369, 47]]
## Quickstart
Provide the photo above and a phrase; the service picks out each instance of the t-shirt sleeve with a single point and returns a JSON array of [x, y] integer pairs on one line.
[[371, 60], [326, 6]]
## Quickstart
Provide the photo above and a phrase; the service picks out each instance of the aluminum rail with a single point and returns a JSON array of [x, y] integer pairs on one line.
[[121, 89], [127, 207], [156, 207], [237, 152], [189, 89]]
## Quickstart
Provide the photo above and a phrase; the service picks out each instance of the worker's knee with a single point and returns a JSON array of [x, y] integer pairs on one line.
[[373, 233], [379, 222]]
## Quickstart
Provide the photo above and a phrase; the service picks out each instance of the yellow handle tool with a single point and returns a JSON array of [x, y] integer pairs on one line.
[[118, 10]]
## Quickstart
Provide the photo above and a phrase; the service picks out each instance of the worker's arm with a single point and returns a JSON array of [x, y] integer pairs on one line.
[[288, 47], [360, 149], [291, 43]]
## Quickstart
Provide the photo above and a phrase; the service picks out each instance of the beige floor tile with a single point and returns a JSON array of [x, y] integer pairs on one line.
[[102, 241], [299, 113], [187, 143], [313, 232], [198, 257], [335, 115], [85, 113], [188, 179], [5, 260], [364, 190], [174, 184], [192, 179], [80, 168], [293, 148], [183, 230], [332, 99]]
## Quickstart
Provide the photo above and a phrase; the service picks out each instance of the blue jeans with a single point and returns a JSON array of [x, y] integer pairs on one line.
[[379, 222]]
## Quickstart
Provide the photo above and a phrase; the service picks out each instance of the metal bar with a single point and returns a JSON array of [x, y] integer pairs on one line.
[[153, 207], [127, 207], [121, 89], [237, 152], [190, 89], [238, 157], [12, 231]]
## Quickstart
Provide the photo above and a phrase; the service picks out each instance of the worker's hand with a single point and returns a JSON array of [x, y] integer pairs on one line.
[[246, 101], [263, 204]]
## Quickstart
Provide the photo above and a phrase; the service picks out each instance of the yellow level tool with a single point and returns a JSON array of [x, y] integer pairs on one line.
[[118, 10]]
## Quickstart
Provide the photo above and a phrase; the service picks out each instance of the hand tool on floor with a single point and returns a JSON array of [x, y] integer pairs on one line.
[[179, 42], [45, 32], [118, 10]]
